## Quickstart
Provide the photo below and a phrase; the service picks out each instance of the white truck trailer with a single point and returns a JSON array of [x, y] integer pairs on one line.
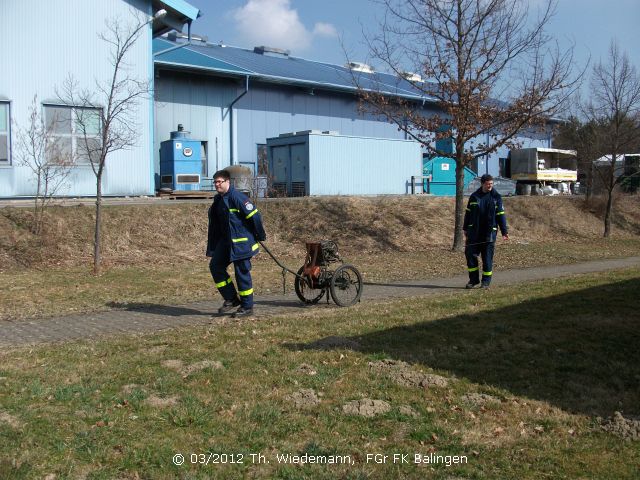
[[541, 167]]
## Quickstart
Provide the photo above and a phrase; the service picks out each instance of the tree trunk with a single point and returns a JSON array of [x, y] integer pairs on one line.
[[35, 228], [96, 238], [607, 214], [458, 236], [611, 183]]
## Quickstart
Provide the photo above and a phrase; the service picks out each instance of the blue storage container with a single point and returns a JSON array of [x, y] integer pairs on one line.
[[316, 162], [180, 162], [442, 176]]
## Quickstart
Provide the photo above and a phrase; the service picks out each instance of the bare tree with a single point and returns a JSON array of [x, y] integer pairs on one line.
[[491, 71], [105, 115], [585, 138], [615, 106], [38, 149]]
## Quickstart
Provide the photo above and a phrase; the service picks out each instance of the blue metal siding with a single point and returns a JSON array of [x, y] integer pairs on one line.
[[442, 171], [72, 47], [344, 165], [267, 111], [200, 105]]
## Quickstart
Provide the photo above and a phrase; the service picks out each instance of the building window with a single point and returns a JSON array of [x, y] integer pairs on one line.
[[75, 130], [4, 133]]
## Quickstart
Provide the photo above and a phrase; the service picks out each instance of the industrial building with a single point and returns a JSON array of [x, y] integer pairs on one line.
[[45, 43], [232, 102], [235, 99]]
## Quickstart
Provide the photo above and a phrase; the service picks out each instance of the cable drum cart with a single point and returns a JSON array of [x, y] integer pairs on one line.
[[316, 278]]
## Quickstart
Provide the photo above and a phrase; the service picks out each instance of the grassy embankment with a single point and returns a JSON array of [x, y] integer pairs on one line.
[[154, 253], [522, 375]]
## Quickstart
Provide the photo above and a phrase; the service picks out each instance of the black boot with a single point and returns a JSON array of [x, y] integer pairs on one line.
[[229, 305], [243, 312]]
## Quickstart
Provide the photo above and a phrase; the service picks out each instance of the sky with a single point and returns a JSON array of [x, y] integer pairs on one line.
[[323, 30]]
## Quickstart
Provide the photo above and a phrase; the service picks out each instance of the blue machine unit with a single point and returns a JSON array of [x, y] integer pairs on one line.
[[442, 173], [180, 162]]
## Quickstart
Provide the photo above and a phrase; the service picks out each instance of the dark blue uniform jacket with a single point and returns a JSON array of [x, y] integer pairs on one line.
[[483, 216], [236, 222]]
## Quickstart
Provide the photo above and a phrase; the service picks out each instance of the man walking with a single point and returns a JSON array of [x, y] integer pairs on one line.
[[484, 215], [235, 227]]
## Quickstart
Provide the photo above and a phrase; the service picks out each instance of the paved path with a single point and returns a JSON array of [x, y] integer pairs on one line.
[[133, 318]]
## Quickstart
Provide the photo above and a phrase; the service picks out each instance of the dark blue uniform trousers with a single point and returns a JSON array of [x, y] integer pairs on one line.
[[220, 260], [485, 250]]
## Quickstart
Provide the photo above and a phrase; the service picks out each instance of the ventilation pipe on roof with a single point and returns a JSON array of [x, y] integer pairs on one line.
[[359, 67], [173, 36], [231, 151], [175, 47], [264, 50], [411, 76]]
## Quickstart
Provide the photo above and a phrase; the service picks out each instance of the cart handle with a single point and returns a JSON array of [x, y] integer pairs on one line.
[[284, 268]]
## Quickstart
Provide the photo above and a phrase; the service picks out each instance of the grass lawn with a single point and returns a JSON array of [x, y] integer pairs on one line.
[[511, 381], [72, 289]]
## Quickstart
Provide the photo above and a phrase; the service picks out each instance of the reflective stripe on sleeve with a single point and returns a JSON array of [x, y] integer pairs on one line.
[[255, 247], [244, 293], [243, 239], [252, 213]]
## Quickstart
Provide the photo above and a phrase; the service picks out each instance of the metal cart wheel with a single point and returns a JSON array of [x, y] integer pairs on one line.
[[346, 285], [305, 293]]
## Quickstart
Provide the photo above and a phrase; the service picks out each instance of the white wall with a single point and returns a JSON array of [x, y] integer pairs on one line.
[[45, 41]]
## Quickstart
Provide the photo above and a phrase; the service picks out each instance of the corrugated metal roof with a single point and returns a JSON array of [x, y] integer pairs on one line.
[[281, 69]]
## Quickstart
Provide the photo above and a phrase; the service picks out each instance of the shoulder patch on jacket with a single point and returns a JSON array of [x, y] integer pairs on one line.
[[248, 205]]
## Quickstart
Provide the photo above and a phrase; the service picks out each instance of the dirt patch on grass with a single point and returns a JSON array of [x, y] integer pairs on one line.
[[185, 371], [403, 374], [198, 366], [366, 407], [173, 364], [408, 411], [132, 387], [10, 420], [156, 350], [303, 399], [306, 369], [158, 402], [479, 399], [627, 428]]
